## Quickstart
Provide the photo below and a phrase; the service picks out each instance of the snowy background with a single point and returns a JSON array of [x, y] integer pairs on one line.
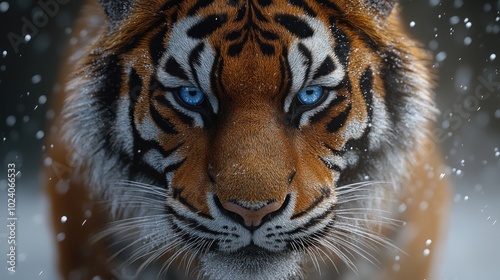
[[464, 37]]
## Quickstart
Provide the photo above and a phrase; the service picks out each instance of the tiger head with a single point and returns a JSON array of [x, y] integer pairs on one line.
[[248, 135]]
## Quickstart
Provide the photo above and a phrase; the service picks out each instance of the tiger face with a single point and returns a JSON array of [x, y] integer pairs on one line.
[[248, 136]]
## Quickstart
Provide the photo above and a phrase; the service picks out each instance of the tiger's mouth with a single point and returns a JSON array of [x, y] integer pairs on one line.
[[225, 232]]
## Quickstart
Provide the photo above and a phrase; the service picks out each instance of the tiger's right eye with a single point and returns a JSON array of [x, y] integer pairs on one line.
[[191, 96], [310, 95]]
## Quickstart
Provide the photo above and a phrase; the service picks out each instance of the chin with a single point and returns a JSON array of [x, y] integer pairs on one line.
[[252, 262]]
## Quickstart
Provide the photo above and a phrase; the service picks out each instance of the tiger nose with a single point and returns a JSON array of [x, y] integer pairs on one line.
[[252, 216]]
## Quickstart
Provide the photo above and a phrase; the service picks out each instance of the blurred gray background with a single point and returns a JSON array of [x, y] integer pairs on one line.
[[464, 37]]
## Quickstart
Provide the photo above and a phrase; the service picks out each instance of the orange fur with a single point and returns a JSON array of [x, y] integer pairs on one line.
[[252, 153]]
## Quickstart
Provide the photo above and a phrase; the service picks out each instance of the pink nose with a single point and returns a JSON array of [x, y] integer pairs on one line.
[[252, 217]]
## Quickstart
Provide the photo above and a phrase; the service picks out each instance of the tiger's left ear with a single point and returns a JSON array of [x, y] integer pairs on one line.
[[116, 10], [382, 7]]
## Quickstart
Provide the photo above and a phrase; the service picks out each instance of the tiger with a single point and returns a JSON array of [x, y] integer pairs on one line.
[[245, 139]]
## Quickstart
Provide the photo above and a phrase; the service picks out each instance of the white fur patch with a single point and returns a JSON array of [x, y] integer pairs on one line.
[[320, 45], [380, 123], [123, 126], [180, 47], [353, 129], [156, 160], [148, 129]]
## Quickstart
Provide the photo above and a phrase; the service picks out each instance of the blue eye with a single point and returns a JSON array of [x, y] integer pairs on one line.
[[310, 95], [191, 96]]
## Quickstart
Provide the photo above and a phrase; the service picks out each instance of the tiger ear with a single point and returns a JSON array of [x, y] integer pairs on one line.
[[116, 10], [382, 7]]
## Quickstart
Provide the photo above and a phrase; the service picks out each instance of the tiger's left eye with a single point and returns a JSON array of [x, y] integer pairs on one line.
[[191, 96], [310, 95]]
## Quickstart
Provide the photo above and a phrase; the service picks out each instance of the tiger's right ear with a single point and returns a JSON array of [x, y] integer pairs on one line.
[[116, 10]]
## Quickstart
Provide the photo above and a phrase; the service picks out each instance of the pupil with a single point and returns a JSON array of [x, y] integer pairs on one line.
[[192, 92], [310, 92]]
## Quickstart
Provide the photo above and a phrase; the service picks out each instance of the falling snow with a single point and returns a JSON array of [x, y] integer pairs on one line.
[[36, 79], [456, 37], [4, 6], [40, 134], [454, 20], [42, 99], [10, 121], [426, 252], [441, 56], [467, 41]]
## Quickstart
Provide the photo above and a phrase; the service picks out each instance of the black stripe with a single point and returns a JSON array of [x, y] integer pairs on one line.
[[283, 76], [337, 122], [177, 195], [314, 221], [267, 49], [164, 124], [170, 4], [361, 144], [235, 49], [264, 3], [311, 240], [133, 41], [194, 58], [156, 47], [313, 205], [323, 113], [173, 68], [138, 166], [174, 167], [332, 150], [234, 35], [145, 170], [241, 13], [327, 67], [343, 45], [294, 25], [193, 224], [216, 75], [366, 85], [303, 5], [134, 85], [207, 26], [258, 14], [145, 145], [308, 55], [110, 84], [330, 166], [395, 94], [199, 5], [268, 35], [182, 117], [286, 74]]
